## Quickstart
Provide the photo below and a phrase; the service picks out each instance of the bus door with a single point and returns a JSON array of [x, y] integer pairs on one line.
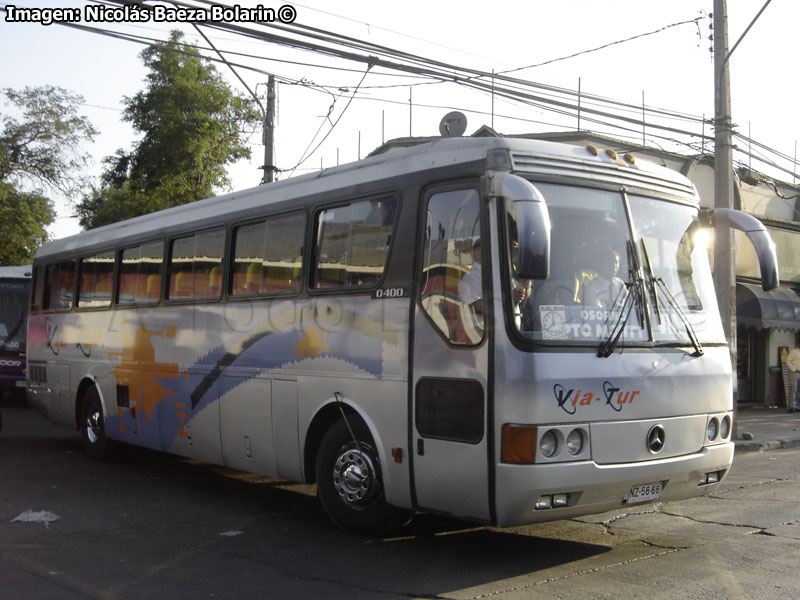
[[450, 359]]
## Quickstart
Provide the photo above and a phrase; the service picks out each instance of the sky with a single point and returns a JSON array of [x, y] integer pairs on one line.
[[671, 69]]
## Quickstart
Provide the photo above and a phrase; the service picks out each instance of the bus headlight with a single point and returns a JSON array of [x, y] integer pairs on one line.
[[725, 427], [563, 443], [575, 442], [712, 429], [548, 444], [719, 428]]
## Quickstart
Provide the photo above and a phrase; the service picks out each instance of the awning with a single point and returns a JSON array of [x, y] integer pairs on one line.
[[776, 309]]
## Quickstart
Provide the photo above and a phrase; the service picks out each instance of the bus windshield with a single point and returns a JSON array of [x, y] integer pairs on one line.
[[675, 254], [13, 314], [646, 276]]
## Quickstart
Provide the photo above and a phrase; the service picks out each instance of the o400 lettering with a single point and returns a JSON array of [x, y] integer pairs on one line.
[[396, 292]]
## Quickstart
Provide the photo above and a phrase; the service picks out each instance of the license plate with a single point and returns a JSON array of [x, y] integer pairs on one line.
[[645, 492], [20, 383]]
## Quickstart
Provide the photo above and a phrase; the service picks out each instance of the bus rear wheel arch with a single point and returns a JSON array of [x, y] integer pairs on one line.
[[92, 425], [350, 483]]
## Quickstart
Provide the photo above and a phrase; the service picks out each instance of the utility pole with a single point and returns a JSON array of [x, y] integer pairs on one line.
[[269, 132], [724, 267], [724, 272]]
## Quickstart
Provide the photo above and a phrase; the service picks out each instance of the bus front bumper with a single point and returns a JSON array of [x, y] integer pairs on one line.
[[533, 493]]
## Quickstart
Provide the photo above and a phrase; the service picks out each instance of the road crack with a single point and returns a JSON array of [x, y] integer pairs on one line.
[[754, 528]]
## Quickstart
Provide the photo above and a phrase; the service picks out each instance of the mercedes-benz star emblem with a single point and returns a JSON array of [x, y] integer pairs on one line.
[[656, 438]]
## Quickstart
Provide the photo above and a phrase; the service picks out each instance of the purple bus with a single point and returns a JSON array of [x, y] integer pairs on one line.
[[15, 285]]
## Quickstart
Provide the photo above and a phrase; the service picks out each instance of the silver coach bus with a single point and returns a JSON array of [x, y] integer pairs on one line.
[[502, 330]]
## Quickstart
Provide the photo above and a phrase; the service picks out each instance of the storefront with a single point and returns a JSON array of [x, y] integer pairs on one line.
[[766, 323]]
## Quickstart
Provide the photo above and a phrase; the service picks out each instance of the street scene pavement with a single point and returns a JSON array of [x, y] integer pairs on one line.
[[762, 428], [149, 525]]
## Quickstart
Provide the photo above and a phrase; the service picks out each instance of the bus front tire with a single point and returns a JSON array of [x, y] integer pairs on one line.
[[349, 482], [93, 430]]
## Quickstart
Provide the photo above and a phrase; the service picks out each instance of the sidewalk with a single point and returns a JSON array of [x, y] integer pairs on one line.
[[763, 428]]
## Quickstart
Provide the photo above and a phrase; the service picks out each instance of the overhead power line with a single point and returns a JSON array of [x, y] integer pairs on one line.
[[327, 43], [385, 61], [694, 21]]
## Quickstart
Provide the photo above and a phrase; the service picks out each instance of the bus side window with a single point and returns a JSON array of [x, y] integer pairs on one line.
[[59, 285], [192, 262], [353, 243], [283, 254], [268, 256], [207, 264], [139, 279], [94, 285], [248, 256]]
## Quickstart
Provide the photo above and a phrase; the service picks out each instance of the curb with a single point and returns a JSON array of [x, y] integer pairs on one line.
[[766, 446]]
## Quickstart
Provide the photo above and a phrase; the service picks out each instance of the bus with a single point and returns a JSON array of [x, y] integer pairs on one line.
[[14, 291], [502, 330]]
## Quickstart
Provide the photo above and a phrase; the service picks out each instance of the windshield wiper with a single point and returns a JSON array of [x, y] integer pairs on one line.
[[651, 281], [656, 284], [698, 348], [607, 347], [632, 296]]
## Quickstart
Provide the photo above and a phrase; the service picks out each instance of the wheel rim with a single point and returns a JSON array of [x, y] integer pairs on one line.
[[355, 478], [94, 425]]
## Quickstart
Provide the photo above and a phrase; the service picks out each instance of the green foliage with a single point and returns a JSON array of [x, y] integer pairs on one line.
[[192, 126], [43, 148], [39, 148], [23, 221]]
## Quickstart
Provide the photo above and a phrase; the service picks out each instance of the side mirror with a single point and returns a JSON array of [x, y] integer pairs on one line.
[[759, 237], [533, 222]]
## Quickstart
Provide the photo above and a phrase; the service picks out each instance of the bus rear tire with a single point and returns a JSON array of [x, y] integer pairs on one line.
[[92, 424], [350, 484]]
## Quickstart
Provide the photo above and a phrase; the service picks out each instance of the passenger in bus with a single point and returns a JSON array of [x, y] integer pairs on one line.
[[520, 293], [520, 288], [523, 311], [605, 287]]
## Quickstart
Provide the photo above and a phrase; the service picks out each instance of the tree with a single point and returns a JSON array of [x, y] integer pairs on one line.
[[23, 218], [192, 126], [39, 149]]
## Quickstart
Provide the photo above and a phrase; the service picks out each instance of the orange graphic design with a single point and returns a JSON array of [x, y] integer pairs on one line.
[[182, 414], [312, 343], [143, 387]]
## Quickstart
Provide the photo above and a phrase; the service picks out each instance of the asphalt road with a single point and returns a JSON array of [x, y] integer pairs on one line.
[[153, 526]]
